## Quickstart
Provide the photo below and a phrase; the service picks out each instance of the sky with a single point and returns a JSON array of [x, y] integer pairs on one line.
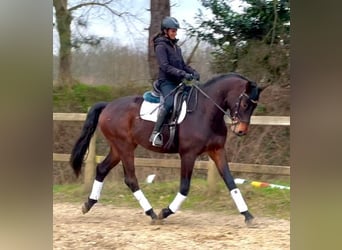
[[181, 9], [131, 32]]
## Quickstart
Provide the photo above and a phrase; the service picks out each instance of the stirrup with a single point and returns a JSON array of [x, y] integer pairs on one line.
[[156, 139]]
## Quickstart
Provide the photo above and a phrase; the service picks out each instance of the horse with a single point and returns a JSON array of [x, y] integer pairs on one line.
[[203, 130]]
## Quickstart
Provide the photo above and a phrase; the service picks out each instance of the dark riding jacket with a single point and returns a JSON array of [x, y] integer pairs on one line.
[[171, 63]]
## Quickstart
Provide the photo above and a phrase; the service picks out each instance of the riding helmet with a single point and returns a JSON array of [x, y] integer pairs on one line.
[[169, 23]]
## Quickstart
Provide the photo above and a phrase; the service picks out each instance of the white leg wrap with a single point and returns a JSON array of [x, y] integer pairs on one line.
[[139, 195], [238, 199], [177, 202], [96, 190]]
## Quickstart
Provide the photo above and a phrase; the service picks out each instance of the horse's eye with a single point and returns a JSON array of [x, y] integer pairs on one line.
[[244, 105]]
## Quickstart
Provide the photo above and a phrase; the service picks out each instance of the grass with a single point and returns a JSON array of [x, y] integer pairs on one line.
[[265, 202]]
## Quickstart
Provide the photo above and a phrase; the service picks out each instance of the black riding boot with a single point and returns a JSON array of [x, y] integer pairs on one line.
[[156, 137]]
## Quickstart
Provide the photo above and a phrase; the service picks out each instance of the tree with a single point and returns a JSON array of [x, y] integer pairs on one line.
[[263, 23], [159, 9], [64, 17]]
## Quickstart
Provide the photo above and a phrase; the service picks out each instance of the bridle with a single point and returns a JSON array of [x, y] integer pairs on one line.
[[235, 118]]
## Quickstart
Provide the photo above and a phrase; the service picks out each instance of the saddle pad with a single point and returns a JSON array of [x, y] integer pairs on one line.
[[150, 97], [149, 111]]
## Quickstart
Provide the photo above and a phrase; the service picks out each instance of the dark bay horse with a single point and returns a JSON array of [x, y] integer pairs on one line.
[[202, 131]]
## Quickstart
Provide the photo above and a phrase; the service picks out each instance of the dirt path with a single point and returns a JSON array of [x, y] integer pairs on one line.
[[108, 227]]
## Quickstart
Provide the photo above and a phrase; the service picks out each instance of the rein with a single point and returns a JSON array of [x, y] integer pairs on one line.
[[218, 106], [237, 104]]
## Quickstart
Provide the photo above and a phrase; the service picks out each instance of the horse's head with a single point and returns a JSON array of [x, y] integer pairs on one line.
[[244, 107]]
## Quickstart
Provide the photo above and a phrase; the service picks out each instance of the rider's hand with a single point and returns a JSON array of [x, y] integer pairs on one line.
[[188, 77], [196, 76]]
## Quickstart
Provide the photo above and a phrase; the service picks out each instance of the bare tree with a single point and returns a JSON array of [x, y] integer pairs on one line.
[[64, 19], [159, 9]]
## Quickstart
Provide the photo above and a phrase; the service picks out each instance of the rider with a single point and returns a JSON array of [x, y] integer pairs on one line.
[[172, 70]]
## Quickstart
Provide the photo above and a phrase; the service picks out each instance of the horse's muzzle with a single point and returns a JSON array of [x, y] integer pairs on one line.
[[240, 128]]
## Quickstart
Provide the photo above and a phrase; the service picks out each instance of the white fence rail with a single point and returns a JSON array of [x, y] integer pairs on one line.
[[93, 159]]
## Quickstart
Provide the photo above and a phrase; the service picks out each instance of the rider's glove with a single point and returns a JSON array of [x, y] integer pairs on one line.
[[196, 76], [188, 77]]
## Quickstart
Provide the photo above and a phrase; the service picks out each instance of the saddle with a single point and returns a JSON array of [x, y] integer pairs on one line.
[[178, 111]]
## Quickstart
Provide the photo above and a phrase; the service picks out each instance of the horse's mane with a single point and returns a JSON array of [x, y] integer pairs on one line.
[[221, 76], [254, 91]]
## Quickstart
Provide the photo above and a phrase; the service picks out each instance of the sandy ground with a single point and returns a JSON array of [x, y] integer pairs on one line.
[[109, 227]]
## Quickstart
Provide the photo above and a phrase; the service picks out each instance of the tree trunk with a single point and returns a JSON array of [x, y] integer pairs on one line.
[[159, 9], [64, 18]]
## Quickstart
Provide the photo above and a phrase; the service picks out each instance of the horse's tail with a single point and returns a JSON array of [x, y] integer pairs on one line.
[[88, 130]]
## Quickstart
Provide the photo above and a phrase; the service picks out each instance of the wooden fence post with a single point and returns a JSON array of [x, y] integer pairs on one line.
[[90, 165], [213, 178]]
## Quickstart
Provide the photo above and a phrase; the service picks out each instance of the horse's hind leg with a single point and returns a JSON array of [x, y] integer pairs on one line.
[[219, 157], [102, 170], [132, 182]]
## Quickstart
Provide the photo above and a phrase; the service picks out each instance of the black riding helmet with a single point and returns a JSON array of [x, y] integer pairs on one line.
[[169, 23]]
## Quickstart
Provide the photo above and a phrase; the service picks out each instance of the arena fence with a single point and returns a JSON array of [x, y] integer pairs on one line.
[[92, 159]]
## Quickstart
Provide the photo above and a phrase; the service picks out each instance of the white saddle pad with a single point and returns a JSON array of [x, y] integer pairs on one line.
[[149, 111]]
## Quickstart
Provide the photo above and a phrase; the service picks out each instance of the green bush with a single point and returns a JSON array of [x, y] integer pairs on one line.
[[80, 96]]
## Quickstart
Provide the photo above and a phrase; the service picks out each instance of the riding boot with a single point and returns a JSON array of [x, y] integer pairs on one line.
[[156, 137]]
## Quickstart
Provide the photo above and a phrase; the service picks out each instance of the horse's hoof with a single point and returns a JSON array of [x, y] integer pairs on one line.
[[152, 214], [248, 218], [249, 222], [85, 208], [164, 213], [88, 205]]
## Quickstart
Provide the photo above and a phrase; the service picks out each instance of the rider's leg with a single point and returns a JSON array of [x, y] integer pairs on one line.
[[156, 138], [165, 88]]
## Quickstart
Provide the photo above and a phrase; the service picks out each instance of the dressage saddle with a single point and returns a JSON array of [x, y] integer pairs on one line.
[[181, 95]]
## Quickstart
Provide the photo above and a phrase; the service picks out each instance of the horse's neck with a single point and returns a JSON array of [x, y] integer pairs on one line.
[[217, 94], [214, 101]]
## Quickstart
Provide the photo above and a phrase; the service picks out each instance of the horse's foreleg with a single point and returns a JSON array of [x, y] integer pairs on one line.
[[132, 182], [102, 171], [187, 164], [219, 157]]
